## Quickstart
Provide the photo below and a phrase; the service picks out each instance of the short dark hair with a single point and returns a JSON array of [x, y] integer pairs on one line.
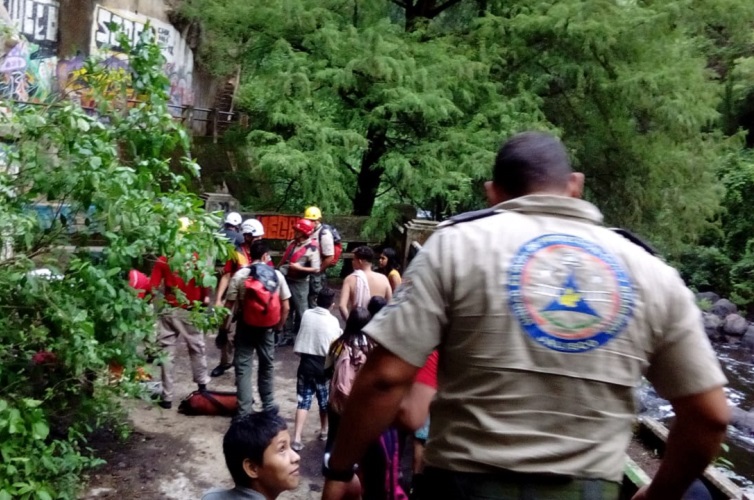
[[364, 253], [375, 305], [258, 249], [531, 162], [248, 437], [325, 298]]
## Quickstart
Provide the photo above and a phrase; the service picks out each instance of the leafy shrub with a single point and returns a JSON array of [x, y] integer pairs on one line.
[[102, 176], [705, 269]]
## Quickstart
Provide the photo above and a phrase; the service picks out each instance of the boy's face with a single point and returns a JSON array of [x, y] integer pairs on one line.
[[280, 471]]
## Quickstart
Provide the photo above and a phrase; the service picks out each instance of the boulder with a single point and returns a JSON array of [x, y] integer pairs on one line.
[[735, 325], [723, 308], [712, 325], [742, 420], [710, 297], [748, 339]]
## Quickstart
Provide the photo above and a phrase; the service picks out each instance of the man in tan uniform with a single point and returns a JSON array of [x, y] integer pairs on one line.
[[545, 321]]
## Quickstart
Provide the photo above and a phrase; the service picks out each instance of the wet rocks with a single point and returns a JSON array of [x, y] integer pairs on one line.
[[723, 307], [748, 339], [734, 325]]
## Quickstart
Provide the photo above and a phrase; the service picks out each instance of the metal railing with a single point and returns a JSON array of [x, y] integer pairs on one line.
[[187, 115]]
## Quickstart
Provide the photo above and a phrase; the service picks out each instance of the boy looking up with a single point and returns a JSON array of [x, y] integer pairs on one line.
[[259, 458]]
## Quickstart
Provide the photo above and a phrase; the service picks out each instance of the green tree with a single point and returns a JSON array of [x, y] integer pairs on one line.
[[356, 105], [107, 179]]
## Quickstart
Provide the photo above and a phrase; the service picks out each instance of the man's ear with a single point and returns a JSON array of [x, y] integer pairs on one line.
[[494, 194], [250, 468], [575, 185]]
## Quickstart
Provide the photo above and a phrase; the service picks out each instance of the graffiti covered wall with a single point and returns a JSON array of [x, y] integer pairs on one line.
[[179, 65], [34, 70], [28, 71]]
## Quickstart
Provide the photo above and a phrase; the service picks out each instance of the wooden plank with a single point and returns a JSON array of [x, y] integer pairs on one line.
[[635, 474], [715, 479]]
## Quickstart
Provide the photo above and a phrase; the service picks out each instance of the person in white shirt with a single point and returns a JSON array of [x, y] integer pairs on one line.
[[318, 330]]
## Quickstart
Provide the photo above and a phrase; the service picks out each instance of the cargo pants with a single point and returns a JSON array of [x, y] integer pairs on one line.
[[248, 340], [175, 324]]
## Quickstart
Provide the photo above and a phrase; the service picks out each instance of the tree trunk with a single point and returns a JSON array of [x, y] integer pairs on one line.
[[370, 173]]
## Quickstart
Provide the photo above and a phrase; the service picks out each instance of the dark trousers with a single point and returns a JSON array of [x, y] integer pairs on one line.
[[262, 341], [506, 485]]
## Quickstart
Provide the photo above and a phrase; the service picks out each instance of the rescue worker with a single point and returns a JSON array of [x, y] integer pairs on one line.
[[174, 323], [542, 338], [324, 238], [251, 230], [300, 261], [251, 337], [231, 228]]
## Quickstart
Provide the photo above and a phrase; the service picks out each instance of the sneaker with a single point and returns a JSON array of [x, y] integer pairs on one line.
[[166, 404], [219, 370], [297, 446]]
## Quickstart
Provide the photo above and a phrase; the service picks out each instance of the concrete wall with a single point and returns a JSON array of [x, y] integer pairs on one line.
[[59, 34]]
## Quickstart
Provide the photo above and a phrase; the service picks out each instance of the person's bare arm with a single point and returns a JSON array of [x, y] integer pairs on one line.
[[230, 305], [388, 292], [394, 280], [326, 262], [694, 440], [345, 297], [372, 405], [414, 408], [222, 286]]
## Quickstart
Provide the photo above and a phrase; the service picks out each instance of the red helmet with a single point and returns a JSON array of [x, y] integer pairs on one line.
[[305, 226]]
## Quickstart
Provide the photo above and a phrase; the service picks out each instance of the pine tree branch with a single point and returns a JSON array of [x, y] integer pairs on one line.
[[385, 191], [437, 10], [349, 167]]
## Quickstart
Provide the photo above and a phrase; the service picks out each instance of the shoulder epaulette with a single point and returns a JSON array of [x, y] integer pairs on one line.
[[634, 239], [469, 216]]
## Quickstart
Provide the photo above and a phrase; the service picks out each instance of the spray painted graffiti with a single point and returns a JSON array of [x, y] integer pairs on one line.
[[76, 83], [37, 20], [25, 76], [179, 59], [28, 70]]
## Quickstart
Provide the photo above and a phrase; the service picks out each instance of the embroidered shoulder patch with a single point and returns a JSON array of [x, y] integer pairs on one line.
[[569, 294]]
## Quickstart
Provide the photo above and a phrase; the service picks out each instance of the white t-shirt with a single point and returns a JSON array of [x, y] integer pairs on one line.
[[318, 330]]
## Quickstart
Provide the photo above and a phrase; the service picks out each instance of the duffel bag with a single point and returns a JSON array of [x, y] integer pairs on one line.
[[224, 404]]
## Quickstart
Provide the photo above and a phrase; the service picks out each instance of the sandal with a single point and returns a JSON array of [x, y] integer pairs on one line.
[[297, 446]]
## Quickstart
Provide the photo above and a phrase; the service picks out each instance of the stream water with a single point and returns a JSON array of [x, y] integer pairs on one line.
[[738, 365]]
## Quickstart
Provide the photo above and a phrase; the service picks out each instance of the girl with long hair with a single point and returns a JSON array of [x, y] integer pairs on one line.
[[390, 267]]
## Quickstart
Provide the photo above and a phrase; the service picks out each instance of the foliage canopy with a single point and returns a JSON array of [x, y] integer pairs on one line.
[[357, 105], [68, 177]]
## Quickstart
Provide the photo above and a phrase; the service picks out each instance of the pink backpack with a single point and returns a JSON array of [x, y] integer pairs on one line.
[[347, 366]]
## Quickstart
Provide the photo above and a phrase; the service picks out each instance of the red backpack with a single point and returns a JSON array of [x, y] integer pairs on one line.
[[261, 301]]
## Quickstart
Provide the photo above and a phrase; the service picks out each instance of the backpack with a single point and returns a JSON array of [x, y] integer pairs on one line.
[[213, 403], [347, 366], [261, 301], [337, 242]]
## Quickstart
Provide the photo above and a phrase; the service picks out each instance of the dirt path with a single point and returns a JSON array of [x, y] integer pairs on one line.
[[173, 456]]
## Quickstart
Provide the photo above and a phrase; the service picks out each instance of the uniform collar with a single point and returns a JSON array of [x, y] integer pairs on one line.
[[547, 204]]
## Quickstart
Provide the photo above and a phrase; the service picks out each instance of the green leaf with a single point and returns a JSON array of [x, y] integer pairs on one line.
[[40, 430]]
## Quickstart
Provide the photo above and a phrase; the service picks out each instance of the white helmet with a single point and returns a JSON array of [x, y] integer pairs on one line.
[[252, 227], [233, 218]]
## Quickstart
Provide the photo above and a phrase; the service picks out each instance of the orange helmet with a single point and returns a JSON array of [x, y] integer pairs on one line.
[[305, 226]]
